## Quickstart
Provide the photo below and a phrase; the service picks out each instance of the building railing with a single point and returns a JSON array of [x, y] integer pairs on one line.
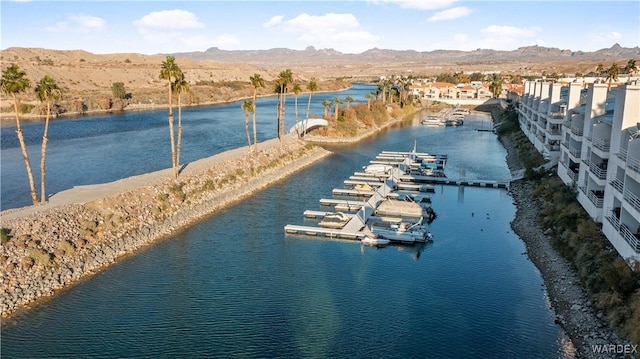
[[617, 185], [598, 171], [576, 130], [596, 198], [556, 115], [632, 239], [573, 175], [575, 152], [633, 200], [601, 144], [550, 147], [633, 163], [566, 124], [623, 154]]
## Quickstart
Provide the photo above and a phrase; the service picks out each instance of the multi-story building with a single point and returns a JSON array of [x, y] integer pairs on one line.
[[594, 135]]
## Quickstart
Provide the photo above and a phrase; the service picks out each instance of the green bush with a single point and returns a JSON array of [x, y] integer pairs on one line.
[[26, 108], [4, 236], [39, 256]]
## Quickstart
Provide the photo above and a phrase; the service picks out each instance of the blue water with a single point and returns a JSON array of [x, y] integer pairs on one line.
[[98, 149], [235, 285]]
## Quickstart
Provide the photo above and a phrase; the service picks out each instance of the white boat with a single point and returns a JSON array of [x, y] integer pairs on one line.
[[433, 121], [377, 169], [404, 232], [374, 240], [334, 220]]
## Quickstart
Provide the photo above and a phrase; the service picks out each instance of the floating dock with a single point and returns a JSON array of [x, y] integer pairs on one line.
[[379, 197]]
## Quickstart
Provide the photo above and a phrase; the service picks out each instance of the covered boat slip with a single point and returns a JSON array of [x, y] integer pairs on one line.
[[387, 196], [381, 202]]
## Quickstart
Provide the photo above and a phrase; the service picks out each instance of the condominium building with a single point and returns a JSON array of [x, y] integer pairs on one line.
[[593, 132]]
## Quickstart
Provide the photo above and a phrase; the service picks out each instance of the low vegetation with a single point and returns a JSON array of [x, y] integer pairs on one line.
[[612, 285]]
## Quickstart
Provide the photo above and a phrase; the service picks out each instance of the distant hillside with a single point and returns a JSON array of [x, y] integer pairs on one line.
[[311, 55]]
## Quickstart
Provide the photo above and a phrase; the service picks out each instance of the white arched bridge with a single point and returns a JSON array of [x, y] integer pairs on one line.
[[311, 123]]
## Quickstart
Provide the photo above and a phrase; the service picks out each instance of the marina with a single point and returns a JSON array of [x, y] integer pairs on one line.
[[392, 202]]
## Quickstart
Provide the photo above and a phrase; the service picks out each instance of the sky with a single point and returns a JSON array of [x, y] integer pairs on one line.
[[160, 27]]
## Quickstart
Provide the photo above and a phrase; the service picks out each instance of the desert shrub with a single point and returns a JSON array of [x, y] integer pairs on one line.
[[39, 256], [176, 190], [67, 247], [5, 235], [632, 327], [26, 108]]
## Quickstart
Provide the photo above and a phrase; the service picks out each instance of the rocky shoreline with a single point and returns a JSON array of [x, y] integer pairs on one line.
[[53, 249], [574, 311]]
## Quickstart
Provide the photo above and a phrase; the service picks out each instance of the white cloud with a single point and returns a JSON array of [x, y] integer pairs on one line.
[[607, 37], [276, 20], [175, 31], [338, 31], [79, 23], [169, 19], [418, 4], [450, 14], [509, 31]]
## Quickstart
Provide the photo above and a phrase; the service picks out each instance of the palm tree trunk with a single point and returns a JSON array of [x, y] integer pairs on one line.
[[173, 147], [43, 156], [255, 131], [179, 133], [306, 119], [246, 126], [25, 154], [172, 135], [296, 112]]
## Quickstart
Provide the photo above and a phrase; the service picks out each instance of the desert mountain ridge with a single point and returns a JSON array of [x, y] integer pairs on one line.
[[311, 54]]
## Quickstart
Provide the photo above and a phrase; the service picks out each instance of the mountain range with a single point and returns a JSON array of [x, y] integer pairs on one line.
[[313, 55]]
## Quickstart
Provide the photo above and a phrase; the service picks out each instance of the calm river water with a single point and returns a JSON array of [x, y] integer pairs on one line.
[[235, 285]]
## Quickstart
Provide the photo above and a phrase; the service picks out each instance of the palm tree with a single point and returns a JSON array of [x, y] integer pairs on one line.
[[599, 69], [349, 100], [370, 96], [612, 74], [326, 104], [180, 85], [256, 81], [312, 86], [496, 85], [284, 79], [296, 91], [247, 107], [15, 81], [631, 67], [337, 101], [47, 91], [169, 71]]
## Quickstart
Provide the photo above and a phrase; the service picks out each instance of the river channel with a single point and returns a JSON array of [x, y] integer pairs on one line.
[[235, 285]]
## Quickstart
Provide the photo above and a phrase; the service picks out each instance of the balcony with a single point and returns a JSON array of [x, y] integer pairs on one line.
[[596, 197], [602, 145], [623, 154], [566, 124], [617, 185], [633, 163], [552, 147], [633, 200], [572, 174], [632, 239], [600, 171], [556, 115], [576, 130]]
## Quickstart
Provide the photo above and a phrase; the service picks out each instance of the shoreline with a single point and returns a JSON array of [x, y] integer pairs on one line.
[[95, 225], [7, 119], [568, 299], [78, 251]]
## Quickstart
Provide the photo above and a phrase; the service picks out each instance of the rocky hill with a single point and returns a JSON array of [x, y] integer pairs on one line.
[[311, 55]]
